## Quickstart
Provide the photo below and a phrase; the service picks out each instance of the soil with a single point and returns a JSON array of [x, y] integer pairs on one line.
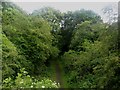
[[59, 75]]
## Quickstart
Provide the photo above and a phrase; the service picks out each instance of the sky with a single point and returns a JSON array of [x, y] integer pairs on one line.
[[65, 0], [67, 5]]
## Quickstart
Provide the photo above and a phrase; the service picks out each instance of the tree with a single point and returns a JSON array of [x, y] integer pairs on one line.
[[71, 21], [111, 13], [32, 36], [11, 60], [52, 15]]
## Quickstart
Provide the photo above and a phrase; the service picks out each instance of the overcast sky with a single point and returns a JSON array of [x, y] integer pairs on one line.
[[65, 5]]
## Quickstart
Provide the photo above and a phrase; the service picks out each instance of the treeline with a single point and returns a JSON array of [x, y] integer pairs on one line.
[[86, 47]]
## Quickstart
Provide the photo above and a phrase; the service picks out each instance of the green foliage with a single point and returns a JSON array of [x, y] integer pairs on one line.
[[54, 18], [38, 47], [10, 57], [11, 60], [86, 30], [95, 67], [23, 80], [46, 83], [31, 35], [84, 45], [52, 15]]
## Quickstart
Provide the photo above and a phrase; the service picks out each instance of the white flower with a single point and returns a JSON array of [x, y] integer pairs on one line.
[[28, 75], [31, 86], [43, 86], [24, 72]]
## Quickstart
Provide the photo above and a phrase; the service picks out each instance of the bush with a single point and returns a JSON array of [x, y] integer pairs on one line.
[[24, 80]]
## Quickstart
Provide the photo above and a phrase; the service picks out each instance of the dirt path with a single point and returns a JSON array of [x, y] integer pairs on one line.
[[59, 78]]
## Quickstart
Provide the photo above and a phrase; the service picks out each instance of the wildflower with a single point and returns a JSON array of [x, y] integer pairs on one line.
[[53, 83], [43, 86], [25, 72]]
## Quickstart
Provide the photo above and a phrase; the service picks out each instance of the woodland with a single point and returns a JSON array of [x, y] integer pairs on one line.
[[53, 49]]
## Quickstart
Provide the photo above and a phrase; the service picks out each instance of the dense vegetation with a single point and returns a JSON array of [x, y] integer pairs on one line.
[[76, 44]]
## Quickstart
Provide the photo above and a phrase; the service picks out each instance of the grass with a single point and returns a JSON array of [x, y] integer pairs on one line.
[[52, 73]]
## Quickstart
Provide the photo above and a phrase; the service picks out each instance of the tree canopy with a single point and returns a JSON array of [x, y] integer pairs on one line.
[[35, 46]]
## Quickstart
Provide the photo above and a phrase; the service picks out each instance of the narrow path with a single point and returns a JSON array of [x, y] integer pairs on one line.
[[58, 74], [59, 78]]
